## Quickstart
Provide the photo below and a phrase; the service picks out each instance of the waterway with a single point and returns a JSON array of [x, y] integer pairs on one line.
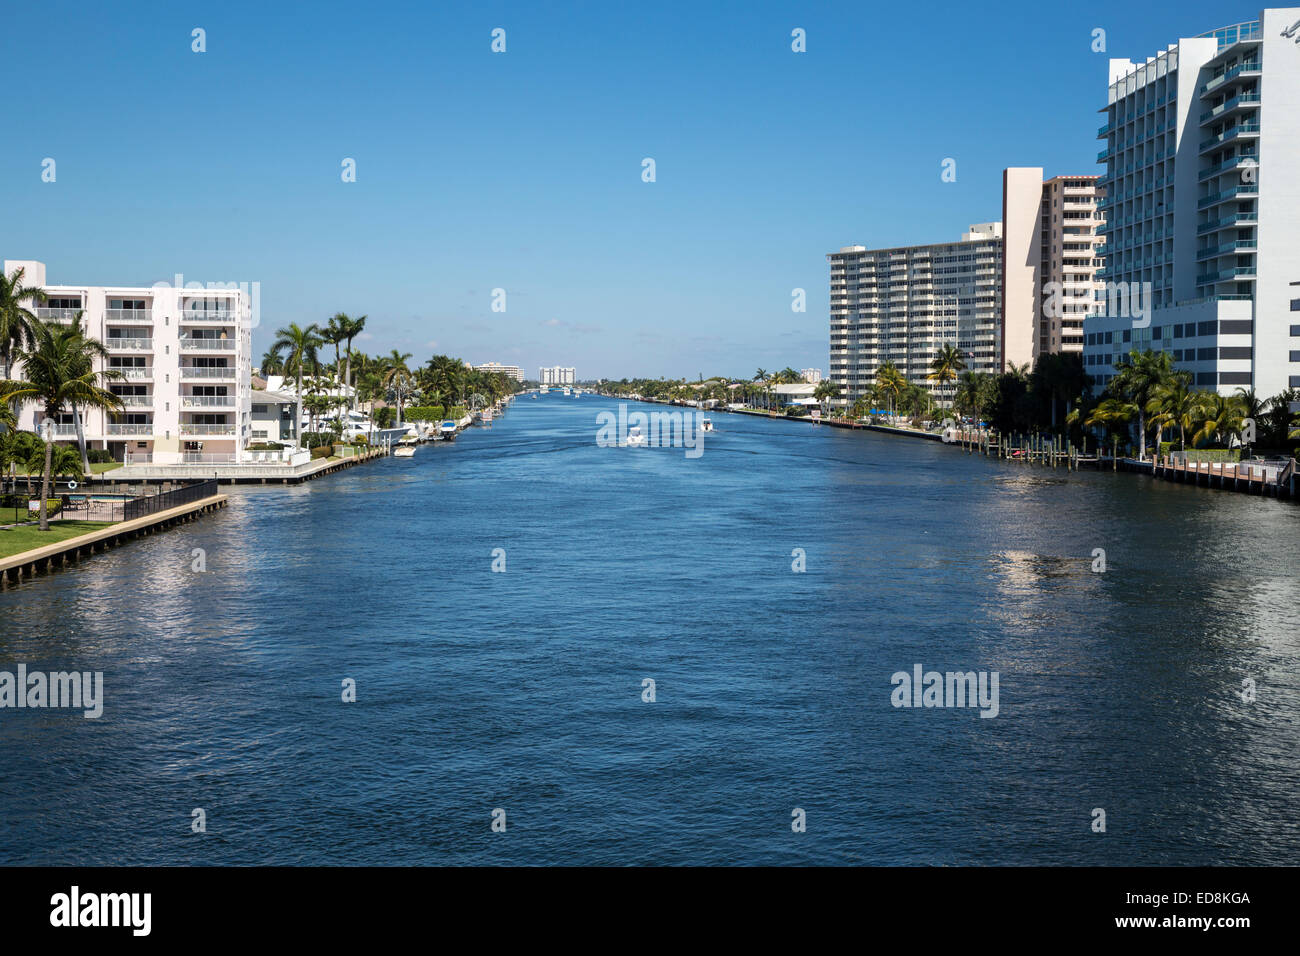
[[524, 690]]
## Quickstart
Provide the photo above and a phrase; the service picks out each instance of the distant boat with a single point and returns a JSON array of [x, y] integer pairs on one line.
[[404, 451], [706, 425], [447, 429], [634, 437], [566, 390]]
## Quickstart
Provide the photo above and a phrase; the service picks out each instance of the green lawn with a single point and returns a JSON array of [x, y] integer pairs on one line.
[[96, 468], [15, 540]]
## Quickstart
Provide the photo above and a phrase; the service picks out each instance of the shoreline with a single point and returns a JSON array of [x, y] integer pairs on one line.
[[1202, 474]]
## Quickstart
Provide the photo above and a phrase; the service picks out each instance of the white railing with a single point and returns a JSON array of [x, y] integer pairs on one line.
[[207, 345], [207, 401], [137, 458], [136, 316], [191, 428], [116, 429], [135, 401], [195, 371], [61, 315], [203, 458], [196, 315], [63, 431], [128, 345], [133, 372]]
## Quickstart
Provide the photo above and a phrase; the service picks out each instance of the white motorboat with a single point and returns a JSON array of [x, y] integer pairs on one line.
[[404, 451], [706, 425], [634, 437]]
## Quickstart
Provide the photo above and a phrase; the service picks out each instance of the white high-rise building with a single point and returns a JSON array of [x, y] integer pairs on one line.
[[1203, 208], [556, 376], [514, 371], [902, 305], [182, 359], [811, 375], [1049, 281]]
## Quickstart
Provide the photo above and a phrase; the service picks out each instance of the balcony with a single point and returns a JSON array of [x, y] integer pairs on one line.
[[133, 373], [1228, 106], [55, 315], [1233, 221], [207, 401], [207, 345], [1225, 249], [213, 316], [129, 316], [1250, 191], [192, 371], [115, 428], [128, 345], [191, 428], [136, 401], [1245, 273], [1248, 67], [1228, 135]]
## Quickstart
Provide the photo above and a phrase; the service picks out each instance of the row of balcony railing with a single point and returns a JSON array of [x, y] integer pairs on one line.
[[138, 316]]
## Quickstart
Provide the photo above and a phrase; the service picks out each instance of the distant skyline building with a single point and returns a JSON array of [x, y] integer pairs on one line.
[[811, 375], [514, 371], [903, 304], [1202, 239], [556, 376]]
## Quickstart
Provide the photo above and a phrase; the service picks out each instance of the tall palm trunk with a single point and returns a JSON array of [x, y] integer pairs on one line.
[[347, 379], [45, 482], [81, 440]]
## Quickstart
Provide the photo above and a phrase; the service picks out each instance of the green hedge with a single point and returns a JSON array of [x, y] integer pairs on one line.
[[423, 413], [1214, 454]]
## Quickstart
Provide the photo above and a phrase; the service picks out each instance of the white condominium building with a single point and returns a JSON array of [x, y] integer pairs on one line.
[[514, 371], [556, 376], [1050, 267], [1203, 208], [182, 359], [902, 305], [811, 375]]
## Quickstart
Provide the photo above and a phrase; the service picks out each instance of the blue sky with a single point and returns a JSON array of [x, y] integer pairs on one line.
[[522, 170]]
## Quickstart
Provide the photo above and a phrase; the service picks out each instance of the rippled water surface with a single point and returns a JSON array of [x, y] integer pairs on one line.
[[523, 690]]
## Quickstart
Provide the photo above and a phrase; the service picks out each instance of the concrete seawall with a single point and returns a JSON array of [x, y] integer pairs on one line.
[[53, 556]]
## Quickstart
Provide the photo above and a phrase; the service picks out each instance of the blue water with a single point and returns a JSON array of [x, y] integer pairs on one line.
[[523, 690]]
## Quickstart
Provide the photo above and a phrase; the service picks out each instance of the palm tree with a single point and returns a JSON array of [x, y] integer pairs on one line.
[[891, 383], [302, 344], [1175, 402], [1137, 376], [1219, 417], [58, 370], [351, 329], [76, 412], [398, 378], [17, 322], [1113, 414], [966, 397], [272, 363], [945, 365], [826, 391]]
